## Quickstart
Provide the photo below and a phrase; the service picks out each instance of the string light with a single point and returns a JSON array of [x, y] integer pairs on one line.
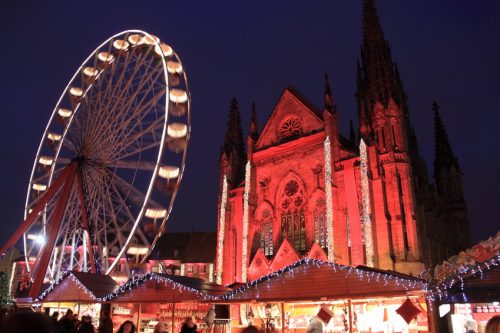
[[159, 278], [329, 205], [365, 202], [367, 275], [244, 243], [220, 241], [67, 275]]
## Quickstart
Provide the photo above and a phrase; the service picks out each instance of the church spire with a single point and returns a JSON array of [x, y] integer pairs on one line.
[[254, 127], [377, 79], [328, 96], [444, 156], [233, 148]]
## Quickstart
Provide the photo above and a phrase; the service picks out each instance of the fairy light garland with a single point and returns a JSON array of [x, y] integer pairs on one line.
[[220, 240], [439, 290], [329, 205], [66, 275], [307, 263], [244, 243], [365, 202], [138, 281]]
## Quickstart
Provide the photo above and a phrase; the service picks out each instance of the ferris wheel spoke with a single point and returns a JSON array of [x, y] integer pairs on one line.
[[131, 216], [124, 111], [135, 165], [132, 192], [122, 90], [152, 128]]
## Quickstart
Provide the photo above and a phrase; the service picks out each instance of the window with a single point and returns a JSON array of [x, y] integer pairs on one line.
[[203, 269], [190, 268], [266, 233], [291, 127], [293, 221], [319, 222]]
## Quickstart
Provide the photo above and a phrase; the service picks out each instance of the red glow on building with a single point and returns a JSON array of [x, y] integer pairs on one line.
[[299, 188]]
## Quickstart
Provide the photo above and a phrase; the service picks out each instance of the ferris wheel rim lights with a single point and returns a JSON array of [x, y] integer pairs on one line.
[[80, 96]]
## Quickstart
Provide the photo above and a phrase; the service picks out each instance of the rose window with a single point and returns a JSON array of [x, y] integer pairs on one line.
[[291, 127]]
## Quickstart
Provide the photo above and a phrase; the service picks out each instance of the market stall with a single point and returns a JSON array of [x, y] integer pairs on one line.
[[81, 292], [336, 297], [165, 301], [466, 288]]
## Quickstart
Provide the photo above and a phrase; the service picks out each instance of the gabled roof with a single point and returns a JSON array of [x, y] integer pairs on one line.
[[156, 287], [310, 279], [291, 102], [187, 247], [79, 286]]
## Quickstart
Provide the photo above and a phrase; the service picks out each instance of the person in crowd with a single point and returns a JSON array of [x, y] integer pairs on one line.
[[126, 327], [493, 325], [76, 322], [250, 329], [158, 328], [54, 317], [57, 326], [189, 326], [67, 322], [26, 322], [86, 325], [105, 324]]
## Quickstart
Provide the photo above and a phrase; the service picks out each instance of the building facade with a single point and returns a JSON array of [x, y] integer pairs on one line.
[[300, 188]]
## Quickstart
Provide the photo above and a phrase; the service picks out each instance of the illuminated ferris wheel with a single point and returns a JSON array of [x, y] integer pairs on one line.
[[110, 161]]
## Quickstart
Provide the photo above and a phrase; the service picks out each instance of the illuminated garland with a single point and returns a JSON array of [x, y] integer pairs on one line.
[[211, 273], [220, 240], [329, 205], [369, 275], [244, 243], [138, 281], [365, 201], [64, 275], [439, 290]]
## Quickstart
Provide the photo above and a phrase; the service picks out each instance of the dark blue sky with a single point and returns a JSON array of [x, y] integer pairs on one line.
[[447, 51]]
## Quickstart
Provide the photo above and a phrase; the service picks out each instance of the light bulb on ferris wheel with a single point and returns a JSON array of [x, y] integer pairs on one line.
[[110, 160]]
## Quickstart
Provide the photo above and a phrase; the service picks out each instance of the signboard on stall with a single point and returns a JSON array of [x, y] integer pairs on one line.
[[118, 310]]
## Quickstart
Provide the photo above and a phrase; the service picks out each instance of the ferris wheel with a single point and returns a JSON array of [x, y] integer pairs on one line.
[[110, 161]]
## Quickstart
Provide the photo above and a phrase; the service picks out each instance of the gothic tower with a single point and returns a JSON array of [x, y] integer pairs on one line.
[[448, 178], [384, 126], [233, 156]]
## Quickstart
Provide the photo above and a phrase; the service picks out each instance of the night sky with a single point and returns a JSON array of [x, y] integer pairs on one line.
[[448, 51]]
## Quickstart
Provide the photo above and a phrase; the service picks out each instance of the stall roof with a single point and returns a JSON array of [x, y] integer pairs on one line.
[[76, 286], [311, 279], [480, 287], [166, 288]]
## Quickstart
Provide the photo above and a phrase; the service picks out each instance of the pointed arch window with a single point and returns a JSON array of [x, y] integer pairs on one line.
[[319, 222], [293, 221], [266, 233]]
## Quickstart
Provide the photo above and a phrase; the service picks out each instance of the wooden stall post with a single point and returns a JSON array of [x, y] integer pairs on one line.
[[349, 304], [139, 318], [283, 317], [173, 317]]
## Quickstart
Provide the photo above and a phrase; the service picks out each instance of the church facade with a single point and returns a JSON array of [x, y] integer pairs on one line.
[[299, 188]]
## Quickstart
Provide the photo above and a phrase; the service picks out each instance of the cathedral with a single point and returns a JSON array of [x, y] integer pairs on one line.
[[299, 188]]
